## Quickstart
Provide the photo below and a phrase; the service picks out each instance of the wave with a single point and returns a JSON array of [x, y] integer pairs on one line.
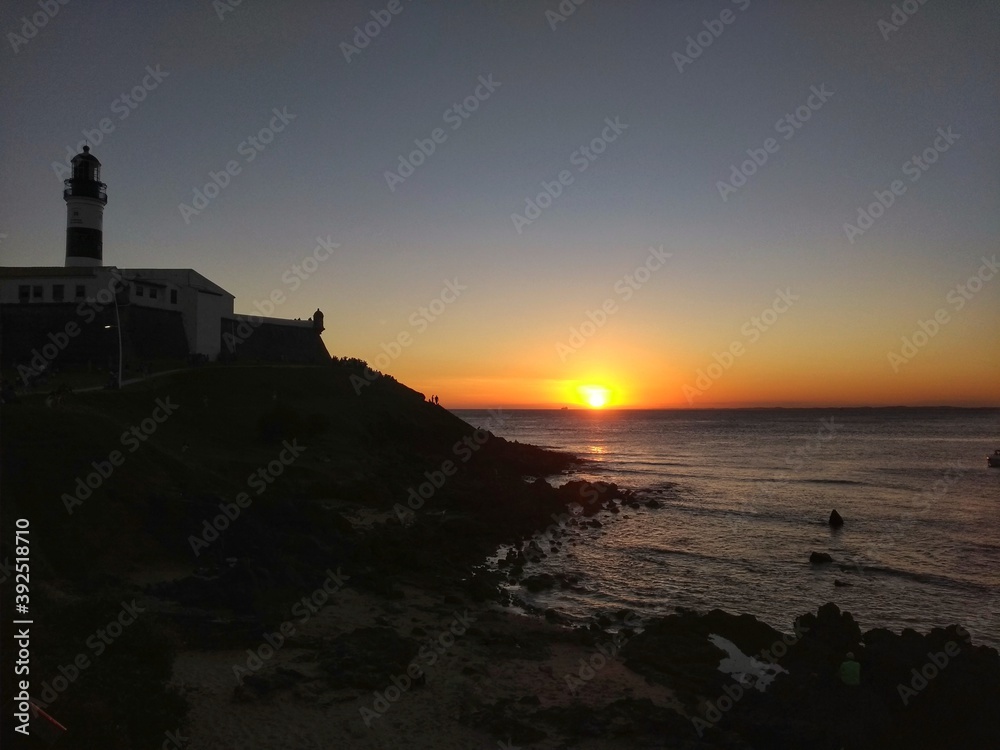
[[925, 578], [810, 480], [832, 481], [656, 551], [675, 500]]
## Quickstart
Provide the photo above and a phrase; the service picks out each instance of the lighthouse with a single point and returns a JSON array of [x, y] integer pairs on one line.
[[85, 196]]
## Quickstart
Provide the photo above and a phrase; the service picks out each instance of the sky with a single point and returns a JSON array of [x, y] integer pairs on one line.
[[640, 204]]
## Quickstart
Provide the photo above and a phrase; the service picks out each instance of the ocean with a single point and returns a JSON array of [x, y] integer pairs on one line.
[[746, 495]]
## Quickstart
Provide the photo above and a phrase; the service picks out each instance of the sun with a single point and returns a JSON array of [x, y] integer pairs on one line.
[[595, 396]]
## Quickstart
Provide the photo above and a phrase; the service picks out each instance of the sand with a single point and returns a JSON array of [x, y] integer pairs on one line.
[[482, 666]]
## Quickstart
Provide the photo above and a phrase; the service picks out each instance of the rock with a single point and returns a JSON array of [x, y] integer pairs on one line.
[[835, 520], [653, 503], [820, 558], [920, 691], [675, 650], [555, 617], [832, 632], [482, 586], [568, 581], [539, 582], [839, 584]]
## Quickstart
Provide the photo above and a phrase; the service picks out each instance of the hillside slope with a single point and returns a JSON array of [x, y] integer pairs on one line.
[[188, 441]]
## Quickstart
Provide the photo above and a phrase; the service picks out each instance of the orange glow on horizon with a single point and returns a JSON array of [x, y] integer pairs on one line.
[[739, 390], [775, 376]]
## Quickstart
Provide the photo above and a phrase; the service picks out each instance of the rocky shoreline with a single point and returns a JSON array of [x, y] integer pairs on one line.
[[350, 605], [391, 649], [429, 671]]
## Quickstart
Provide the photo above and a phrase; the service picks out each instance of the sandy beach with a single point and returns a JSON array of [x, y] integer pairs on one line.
[[502, 657]]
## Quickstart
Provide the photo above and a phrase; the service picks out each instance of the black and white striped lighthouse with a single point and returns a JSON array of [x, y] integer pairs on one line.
[[85, 196]]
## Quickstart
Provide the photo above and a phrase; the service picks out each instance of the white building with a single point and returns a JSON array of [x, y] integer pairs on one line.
[[202, 303], [85, 283]]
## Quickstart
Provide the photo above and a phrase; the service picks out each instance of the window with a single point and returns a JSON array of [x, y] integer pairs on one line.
[[81, 291], [173, 296], [24, 293], [36, 292], [138, 291], [152, 293], [58, 292]]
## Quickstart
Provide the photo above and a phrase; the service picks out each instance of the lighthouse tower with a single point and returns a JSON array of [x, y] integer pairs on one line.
[[85, 196]]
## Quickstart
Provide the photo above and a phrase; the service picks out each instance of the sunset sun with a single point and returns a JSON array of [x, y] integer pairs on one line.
[[595, 396]]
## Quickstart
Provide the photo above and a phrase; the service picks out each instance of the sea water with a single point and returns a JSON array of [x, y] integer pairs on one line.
[[746, 495]]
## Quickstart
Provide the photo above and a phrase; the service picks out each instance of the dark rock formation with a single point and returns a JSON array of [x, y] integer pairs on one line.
[[592, 497], [675, 650], [539, 582], [820, 558], [835, 520], [917, 691]]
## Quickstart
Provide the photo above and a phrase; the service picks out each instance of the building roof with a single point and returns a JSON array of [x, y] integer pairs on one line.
[[19, 272], [155, 276], [177, 276]]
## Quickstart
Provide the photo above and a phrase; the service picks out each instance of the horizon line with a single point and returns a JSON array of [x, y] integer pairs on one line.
[[583, 408]]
